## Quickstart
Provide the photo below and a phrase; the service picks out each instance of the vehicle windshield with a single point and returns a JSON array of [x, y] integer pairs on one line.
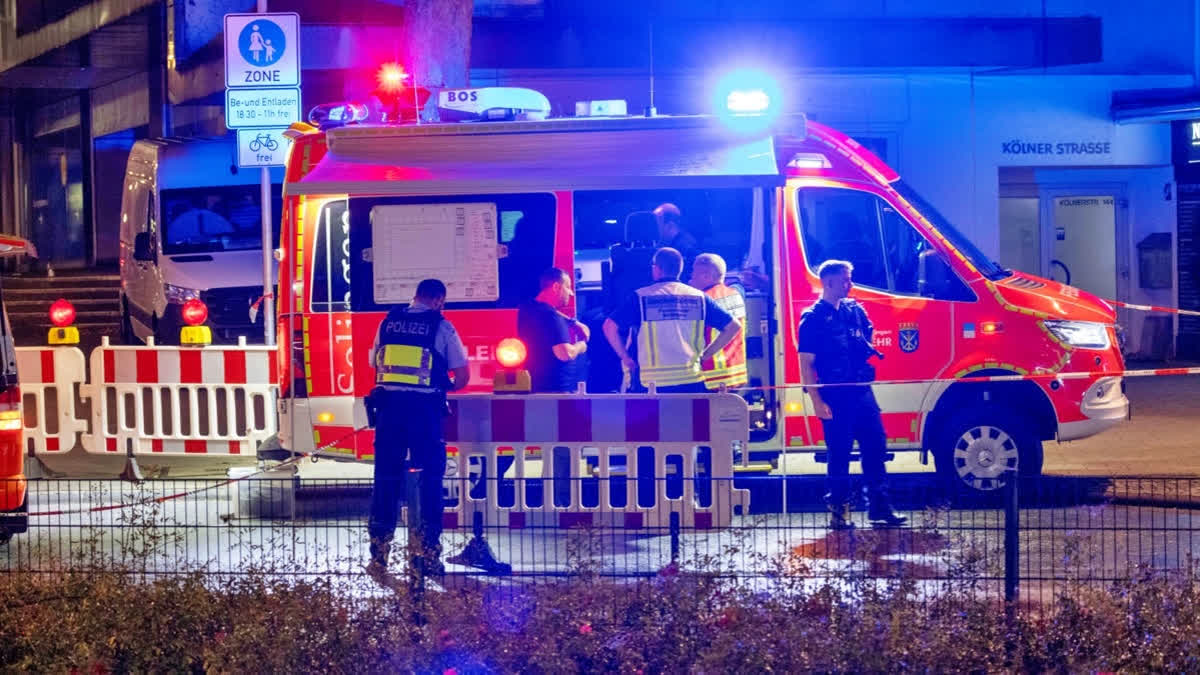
[[215, 219], [965, 246]]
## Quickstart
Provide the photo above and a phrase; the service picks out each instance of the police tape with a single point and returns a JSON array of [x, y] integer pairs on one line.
[[1153, 308], [1070, 375], [295, 459]]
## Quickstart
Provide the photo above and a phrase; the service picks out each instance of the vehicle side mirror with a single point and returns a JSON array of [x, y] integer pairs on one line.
[[142, 250], [933, 274]]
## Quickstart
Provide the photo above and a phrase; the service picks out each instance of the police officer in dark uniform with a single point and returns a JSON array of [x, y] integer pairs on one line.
[[415, 351], [835, 345]]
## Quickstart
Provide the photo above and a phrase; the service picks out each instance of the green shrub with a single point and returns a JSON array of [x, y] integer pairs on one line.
[[96, 616]]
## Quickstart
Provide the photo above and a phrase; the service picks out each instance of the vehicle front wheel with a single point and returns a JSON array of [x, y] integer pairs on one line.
[[981, 448]]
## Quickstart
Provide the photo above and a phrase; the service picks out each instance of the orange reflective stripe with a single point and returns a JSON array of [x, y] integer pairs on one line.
[[728, 366]]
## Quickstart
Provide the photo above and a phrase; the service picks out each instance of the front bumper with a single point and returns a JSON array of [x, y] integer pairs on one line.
[[1104, 405], [228, 316]]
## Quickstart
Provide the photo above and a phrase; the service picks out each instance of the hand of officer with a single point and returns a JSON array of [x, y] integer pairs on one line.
[[823, 410], [628, 363]]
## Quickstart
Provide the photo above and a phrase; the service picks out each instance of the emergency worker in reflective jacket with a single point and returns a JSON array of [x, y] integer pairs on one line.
[[668, 320], [835, 345], [727, 367], [415, 351]]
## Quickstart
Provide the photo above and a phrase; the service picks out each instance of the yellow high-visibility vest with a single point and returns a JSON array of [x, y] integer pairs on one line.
[[671, 334]]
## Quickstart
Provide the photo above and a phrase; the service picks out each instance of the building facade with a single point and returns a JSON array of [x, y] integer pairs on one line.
[[1055, 134]]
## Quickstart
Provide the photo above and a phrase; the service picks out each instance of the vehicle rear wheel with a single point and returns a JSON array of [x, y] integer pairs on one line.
[[127, 335], [980, 448]]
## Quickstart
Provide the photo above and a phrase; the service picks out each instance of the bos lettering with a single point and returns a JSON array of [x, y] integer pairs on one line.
[[263, 76], [463, 96]]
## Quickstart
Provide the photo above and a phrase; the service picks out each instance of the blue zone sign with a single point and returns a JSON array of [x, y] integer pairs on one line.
[[262, 50]]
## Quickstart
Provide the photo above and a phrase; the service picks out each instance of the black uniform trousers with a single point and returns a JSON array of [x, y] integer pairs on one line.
[[410, 459], [856, 417]]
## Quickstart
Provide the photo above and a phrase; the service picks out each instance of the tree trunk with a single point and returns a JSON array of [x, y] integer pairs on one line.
[[438, 44]]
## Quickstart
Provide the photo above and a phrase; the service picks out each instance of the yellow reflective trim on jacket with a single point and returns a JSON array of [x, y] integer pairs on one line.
[[671, 333], [403, 364]]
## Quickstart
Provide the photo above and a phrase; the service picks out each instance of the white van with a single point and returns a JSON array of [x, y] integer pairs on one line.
[[191, 228]]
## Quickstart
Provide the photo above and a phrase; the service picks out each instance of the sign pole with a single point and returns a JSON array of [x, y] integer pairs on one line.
[[268, 253], [262, 97]]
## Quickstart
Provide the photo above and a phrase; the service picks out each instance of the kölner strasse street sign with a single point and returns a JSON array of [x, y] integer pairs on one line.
[[262, 50]]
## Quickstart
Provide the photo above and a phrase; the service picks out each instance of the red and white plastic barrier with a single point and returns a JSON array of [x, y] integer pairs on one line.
[[646, 457], [151, 401], [48, 379], [595, 418], [161, 400]]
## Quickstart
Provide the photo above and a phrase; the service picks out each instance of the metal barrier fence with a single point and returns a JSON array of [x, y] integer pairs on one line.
[[1089, 530]]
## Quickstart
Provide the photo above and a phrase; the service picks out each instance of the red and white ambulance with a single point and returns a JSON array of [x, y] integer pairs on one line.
[[371, 208]]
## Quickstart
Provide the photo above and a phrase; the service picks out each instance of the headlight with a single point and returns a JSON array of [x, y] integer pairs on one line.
[[179, 294], [1083, 334]]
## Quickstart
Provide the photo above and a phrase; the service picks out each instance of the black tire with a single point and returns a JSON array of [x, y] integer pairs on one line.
[[5, 537], [978, 447], [159, 337], [127, 335]]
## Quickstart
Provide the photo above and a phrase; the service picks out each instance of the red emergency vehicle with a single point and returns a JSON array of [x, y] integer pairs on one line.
[[371, 208], [13, 495]]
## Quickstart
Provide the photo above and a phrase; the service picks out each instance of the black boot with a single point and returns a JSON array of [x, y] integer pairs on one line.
[[879, 509], [380, 550], [426, 561], [479, 554], [839, 517]]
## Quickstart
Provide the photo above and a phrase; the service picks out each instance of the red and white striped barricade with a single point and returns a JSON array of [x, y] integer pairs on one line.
[[48, 377], [156, 401], [599, 460]]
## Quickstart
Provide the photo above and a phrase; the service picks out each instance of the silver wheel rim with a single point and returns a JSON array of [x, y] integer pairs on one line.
[[983, 457]]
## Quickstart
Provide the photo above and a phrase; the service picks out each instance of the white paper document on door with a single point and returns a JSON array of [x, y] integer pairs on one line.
[[452, 242], [1084, 243]]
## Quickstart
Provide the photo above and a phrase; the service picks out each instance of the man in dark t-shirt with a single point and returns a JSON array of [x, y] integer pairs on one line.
[[554, 342]]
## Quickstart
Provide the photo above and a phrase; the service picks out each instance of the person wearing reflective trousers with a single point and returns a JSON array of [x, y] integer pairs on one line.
[[727, 367], [415, 351], [835, 346], [668, 321]]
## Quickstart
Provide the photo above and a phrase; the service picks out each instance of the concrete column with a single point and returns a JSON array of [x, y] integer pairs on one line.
[[156, 72], [87, 159]]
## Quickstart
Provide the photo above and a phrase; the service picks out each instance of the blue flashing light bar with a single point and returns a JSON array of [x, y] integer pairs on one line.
[[748, 99]]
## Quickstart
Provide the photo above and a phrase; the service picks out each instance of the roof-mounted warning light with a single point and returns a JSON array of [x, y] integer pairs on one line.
[[400, 99], [748, 100], [391, 77], [329, 115]]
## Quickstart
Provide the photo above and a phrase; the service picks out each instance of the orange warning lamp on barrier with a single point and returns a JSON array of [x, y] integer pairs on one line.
[[62, 316], [511, 377], [194, 313]]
